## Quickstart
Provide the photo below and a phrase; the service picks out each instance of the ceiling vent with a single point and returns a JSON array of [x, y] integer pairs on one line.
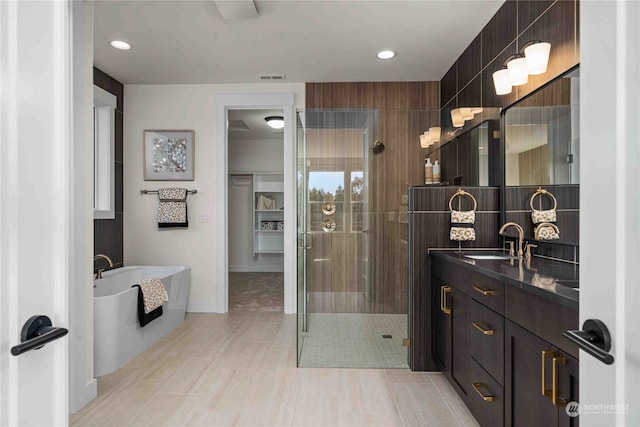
[[237, 10], [273, 77], [238, 125]]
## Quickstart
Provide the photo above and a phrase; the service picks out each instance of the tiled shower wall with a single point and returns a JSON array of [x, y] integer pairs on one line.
[[107, 233]]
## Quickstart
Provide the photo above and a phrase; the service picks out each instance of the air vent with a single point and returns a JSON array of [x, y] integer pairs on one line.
[[272, 77], [238, 125]]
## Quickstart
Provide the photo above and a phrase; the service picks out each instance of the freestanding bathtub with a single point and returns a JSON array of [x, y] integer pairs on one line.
[[118, 337]]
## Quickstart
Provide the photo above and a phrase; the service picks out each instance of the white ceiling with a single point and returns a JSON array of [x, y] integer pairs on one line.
[[187, 41], [258, 129]]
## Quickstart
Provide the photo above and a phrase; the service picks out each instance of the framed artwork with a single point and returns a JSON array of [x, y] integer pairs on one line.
[[169, 155]]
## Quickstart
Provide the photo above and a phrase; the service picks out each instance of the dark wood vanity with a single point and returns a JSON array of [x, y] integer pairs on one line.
[[498, 336]]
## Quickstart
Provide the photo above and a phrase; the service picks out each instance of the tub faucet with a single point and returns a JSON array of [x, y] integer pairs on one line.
[[100, 270], [520, 234]]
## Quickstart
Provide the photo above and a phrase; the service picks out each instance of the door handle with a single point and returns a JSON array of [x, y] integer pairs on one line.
[[306, 243], [444, 290], [36, 332], [594, 338]]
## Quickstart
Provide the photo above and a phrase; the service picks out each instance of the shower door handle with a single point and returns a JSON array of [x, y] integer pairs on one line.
[[306, 243]]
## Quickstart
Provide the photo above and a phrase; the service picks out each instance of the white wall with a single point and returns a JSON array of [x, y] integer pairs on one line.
[[256, 156], [179, 107]]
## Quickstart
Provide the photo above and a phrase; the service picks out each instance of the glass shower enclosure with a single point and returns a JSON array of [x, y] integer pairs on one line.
[[345, 317]]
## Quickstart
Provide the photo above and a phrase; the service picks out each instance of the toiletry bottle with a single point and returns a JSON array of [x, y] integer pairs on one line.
[[436, 172], [428, 171]]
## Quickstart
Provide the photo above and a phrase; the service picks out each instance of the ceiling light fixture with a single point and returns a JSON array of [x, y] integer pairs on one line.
[[386, 54], [119, 44], [275, 122], [518, 67]]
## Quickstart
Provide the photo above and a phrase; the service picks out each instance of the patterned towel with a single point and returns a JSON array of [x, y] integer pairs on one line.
[[154, 294], [172, 209]]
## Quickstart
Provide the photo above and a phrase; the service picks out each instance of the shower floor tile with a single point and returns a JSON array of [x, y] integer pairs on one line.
[[354, 341]]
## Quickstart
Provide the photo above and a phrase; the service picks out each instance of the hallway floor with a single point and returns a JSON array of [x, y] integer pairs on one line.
[[240, 369], [256, 292]]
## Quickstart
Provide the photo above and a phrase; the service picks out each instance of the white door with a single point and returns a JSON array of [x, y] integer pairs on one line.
[[610, 208], [35, 206]]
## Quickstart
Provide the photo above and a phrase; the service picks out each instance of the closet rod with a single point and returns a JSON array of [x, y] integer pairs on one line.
[[156, 191]]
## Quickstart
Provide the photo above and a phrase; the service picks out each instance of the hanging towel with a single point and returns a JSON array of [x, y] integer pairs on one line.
[[462, 221], [172, 209], [151, 295]]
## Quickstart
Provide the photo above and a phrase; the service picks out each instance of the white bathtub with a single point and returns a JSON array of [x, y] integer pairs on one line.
[[118, 337]]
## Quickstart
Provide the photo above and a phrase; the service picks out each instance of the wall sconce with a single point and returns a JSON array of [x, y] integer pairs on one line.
[[518, 67], [461, 115], [430, 137]]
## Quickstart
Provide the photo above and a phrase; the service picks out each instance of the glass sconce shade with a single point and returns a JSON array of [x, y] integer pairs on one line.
[[434, 132], [424, 143], [537, 57], [518, 72], [502, 82], [456, 118]]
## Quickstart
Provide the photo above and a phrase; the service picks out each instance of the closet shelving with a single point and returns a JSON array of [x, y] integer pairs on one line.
[[268, 239]]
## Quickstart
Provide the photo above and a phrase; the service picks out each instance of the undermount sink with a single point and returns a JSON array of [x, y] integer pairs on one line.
[[485, 256]]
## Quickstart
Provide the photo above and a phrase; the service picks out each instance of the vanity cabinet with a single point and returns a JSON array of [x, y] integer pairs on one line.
[[499, 345], [533, 365]]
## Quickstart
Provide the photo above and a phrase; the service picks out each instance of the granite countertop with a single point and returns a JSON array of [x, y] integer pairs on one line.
[[554, 280]]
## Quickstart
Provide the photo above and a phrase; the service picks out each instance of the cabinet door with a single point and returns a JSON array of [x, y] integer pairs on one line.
[[442, 330], [460, 357], [568, 389], [525, 404]]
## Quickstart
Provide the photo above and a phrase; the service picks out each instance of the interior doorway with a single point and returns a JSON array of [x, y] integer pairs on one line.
[[256, 208], [263, 183]]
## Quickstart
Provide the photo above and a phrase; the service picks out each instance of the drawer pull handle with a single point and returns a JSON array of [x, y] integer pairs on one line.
[[486, 398], [545, 355], [485, 292], [479, 327], [444, 290], [559, 360]]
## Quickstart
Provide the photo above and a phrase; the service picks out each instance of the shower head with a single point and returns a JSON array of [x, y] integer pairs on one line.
[[378, 147]]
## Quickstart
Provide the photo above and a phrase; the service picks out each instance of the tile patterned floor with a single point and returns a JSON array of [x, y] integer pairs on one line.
[[256, 292], [355, 341], [239, 369]]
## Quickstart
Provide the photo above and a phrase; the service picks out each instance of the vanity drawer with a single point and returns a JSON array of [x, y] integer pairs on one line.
[[486, 290], [486, 340], [486, 397]]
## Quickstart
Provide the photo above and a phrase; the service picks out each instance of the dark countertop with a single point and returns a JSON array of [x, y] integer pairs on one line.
[[554, 280]]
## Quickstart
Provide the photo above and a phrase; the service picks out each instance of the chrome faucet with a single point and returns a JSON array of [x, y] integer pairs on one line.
[[100, 270], [520, 235]]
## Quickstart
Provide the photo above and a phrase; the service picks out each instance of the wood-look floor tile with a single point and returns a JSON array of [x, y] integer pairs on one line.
[[186, 376], [240, 369]]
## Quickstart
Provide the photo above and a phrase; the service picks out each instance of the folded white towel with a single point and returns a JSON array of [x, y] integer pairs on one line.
[[153, 293]]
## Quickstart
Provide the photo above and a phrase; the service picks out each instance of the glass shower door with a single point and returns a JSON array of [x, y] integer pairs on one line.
[[304, 240]]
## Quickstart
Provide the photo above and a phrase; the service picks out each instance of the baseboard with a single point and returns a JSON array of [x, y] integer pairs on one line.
[[89, 393], [201, 307], [255, 269]]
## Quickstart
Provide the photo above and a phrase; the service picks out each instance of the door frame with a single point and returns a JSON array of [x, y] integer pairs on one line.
[[224, 103]]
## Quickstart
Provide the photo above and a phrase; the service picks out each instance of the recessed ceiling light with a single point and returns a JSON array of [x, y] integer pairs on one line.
[[118, 44], [386, 54]]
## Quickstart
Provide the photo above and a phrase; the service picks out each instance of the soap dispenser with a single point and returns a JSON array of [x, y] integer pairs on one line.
[[428, 171], [436, 172]]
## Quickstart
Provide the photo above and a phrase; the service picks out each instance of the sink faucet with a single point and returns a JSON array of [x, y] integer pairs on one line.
[[520, 235], [100, 270]]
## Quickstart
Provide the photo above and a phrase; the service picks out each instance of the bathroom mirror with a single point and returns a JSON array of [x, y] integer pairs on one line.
[[466, 159], [542, 137]]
